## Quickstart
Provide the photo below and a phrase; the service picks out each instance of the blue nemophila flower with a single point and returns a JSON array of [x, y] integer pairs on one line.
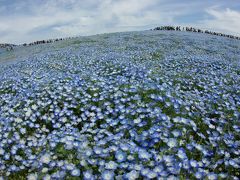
[[32, 177], [163, 173], [69, 167], [136, 121], [132, 175], [181, 153], [6, 156], [47, 177], [212, 176], [87, 175], [88, 152], [124, 147], [75, 172], [107, 175], [199, 175], [193, 163], [111, 165], [142, 154], [176, 133], [172, 142], [2, 151], [98, 150], [175, 168], [186, 164], [120, 156], [151, 175], [145, 171], [46, 158]]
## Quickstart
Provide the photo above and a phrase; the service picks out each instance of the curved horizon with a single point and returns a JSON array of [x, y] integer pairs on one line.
[[183, 29]]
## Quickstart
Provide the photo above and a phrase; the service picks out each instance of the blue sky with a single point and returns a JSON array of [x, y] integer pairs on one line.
[[29, 20]]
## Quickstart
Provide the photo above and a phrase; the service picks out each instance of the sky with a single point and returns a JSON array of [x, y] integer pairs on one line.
[[30, 20]]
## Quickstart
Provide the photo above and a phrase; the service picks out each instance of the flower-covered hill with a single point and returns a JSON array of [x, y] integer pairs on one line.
[[135, 105]]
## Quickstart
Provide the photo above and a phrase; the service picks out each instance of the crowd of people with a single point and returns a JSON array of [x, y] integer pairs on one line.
[[8, 47], [44, 41], [191, 29]]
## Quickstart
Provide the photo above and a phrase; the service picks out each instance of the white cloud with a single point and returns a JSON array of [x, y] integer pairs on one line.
[[71, 18], [223, 20], [43, 19]]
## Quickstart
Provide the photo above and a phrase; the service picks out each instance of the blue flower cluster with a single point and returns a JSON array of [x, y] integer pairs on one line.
[[136, 105]]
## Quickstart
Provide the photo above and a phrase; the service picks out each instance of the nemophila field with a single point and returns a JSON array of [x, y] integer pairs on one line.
[[135, 105]]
